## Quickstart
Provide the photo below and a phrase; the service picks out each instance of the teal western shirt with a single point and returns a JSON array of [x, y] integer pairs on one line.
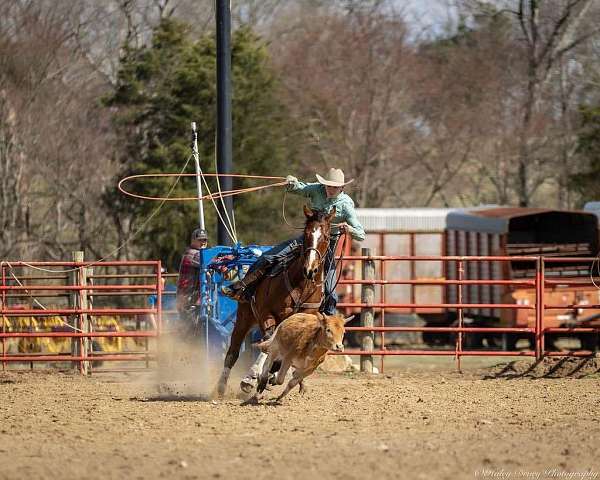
[[344, 206]]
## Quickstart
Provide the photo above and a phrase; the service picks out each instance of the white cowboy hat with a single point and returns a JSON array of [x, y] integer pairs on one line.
[[334, 178]]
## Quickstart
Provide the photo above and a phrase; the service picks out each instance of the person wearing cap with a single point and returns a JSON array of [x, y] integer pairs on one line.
[[326, 193], [188, 283]]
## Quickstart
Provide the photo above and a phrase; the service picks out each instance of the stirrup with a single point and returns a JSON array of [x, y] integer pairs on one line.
[[234, 294]]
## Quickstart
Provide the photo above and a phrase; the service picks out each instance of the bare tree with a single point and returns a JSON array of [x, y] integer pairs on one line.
[[55, 135], [344, 75], [549, 31], [13, 218]]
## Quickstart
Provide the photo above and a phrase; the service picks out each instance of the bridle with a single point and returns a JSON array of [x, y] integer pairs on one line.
[[298, 301], [320, 255]]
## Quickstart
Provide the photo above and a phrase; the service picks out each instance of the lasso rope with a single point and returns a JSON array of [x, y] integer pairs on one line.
[[295, 227], [227, 222], [129, 239], [168, 198], [210, 196]]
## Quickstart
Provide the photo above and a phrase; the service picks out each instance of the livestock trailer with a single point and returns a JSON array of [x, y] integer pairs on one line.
[[404, 232], [518, 232], [483, 231]]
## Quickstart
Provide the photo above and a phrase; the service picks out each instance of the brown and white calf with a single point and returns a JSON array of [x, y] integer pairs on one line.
[[301, 341]]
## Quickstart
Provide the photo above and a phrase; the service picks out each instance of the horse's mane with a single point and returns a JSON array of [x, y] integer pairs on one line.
[[317, 216]]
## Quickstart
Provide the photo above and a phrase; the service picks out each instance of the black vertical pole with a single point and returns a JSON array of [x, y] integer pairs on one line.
[[224, 142]]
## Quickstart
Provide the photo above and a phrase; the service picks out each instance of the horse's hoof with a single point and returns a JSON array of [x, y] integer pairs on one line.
[[248, 384], [219, 392]]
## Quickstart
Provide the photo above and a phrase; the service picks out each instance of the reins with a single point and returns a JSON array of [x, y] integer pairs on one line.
[[298, 301], [320, 255]]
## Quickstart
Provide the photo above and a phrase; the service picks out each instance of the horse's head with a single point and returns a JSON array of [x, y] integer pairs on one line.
[[316, 240]]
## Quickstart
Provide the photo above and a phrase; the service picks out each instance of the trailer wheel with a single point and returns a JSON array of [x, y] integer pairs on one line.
[[550, 341], [434, 339], [507, 342], [589, 341], [473, 341]]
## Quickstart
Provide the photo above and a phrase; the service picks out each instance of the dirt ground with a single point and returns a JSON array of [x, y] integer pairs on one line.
[[422, 419]]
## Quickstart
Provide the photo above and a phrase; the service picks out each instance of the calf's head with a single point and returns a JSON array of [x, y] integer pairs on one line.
[[332, 331]]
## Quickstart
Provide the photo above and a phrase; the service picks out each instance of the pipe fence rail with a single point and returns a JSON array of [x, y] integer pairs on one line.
[[87, 313], [538, 330], [79, 312]]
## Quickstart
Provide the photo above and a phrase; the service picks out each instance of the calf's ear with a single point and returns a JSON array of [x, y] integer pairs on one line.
[[347, 319]]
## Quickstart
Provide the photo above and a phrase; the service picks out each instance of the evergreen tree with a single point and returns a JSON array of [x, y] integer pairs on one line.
[[160, 90]]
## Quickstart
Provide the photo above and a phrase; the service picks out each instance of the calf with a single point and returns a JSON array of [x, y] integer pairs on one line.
[[302, 341]]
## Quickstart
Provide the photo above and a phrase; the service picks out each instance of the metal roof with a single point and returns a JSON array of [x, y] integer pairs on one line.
[[593, 207], [508, 212], [403, 219], [494, 220]]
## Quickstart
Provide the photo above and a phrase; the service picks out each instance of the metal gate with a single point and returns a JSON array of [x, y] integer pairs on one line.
[[95, 309], [79, 312], [372, 301]]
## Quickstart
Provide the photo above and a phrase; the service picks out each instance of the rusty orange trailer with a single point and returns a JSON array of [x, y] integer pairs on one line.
[[485, 231]]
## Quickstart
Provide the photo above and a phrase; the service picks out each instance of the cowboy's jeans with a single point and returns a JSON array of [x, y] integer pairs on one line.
[[285, 249], [331, 297], [276, 254]]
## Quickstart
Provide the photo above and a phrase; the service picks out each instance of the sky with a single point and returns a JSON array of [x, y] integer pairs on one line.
[[433, 15]]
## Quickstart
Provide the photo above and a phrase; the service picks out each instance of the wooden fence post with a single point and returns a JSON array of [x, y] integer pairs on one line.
[[367, 313], [87, 304], [78, 300], [3, 319]]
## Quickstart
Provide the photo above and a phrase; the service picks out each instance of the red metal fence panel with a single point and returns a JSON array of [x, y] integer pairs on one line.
[[81, 294], [540, 283], [79, 312]]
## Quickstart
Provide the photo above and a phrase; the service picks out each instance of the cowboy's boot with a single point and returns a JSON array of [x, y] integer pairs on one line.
[[237, 290], [269, 330]]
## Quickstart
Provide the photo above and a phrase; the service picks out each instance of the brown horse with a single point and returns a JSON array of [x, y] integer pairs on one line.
[[298, 288]]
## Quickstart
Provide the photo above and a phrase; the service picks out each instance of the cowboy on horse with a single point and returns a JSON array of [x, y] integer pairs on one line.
[[301, 271], [324, 195]]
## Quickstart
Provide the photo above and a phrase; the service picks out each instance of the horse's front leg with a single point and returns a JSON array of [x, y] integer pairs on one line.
[[249, 382], [264, 375], [240, 330]]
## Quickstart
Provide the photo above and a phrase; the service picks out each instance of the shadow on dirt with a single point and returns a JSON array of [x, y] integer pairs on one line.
[[261, 402], [563, 367]]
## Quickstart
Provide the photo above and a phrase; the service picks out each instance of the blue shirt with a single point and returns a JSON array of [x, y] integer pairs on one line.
[[344, 206]]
